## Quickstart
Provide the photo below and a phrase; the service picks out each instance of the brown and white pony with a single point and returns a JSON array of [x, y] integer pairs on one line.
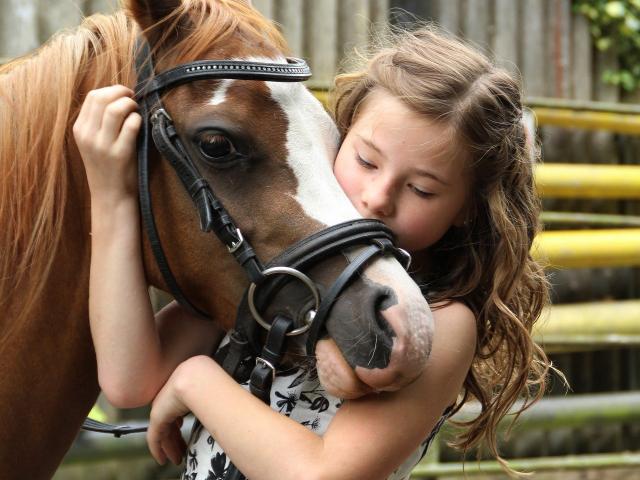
[[283, 192]]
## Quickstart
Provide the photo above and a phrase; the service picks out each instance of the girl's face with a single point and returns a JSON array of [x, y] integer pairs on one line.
[[394, 166]]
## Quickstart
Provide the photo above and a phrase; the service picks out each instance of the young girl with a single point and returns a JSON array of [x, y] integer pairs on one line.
[[434, 145]]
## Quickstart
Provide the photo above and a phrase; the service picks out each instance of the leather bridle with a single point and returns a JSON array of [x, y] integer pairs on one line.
[[372, 236]]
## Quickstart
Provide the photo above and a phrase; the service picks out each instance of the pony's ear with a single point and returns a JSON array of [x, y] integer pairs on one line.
[[149, 14]]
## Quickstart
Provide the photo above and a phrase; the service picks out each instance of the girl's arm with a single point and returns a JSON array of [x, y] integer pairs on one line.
[[135, 355], [368, 438]]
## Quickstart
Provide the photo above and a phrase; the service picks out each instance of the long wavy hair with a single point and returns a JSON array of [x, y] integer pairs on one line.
[[40, 97], [486, 263]]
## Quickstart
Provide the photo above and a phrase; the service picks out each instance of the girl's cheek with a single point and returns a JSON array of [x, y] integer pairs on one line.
[[346, 179]]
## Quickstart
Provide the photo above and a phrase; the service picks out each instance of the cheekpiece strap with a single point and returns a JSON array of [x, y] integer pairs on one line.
[[267, 363]]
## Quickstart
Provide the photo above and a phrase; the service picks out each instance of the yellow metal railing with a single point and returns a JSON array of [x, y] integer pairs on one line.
[[592, 324], [588, 248], [615, 122], [613, 117], [583, 219], [571, 180]]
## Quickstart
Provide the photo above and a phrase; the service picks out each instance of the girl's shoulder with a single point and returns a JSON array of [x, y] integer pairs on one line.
[[455, 336], [455, 313]]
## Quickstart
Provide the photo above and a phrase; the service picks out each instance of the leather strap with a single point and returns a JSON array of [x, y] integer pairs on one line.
[[345, 278], [264, 372], [295, 70], [267, 363], [117, 430], [237, 352], [144, 66], [332, 240]]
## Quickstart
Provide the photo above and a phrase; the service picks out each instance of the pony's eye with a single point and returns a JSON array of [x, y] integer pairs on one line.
[[215, 147]]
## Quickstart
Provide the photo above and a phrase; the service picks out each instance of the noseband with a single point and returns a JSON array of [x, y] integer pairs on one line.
[[372, 236]]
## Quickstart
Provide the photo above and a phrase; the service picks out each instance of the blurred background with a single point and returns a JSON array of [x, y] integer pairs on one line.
[[580, 65]]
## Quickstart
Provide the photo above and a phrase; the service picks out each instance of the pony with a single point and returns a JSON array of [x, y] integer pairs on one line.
[[283, 192]]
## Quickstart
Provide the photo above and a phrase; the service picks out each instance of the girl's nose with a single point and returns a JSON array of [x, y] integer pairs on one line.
[[377, 197]]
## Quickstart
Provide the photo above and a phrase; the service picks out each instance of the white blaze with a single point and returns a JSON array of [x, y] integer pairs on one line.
[[220, 94], [312, 141]]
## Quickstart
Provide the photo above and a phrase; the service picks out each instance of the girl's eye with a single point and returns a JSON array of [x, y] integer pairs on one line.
[[364, 163], [215, 147], [421, 193]]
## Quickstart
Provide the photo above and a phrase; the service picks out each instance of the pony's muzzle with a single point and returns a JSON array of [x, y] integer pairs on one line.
[[384, 333]]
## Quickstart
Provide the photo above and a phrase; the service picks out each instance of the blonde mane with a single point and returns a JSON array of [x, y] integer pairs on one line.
[[40, 96]]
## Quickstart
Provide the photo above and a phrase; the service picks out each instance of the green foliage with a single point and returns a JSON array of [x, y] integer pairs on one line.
[[615, 27]]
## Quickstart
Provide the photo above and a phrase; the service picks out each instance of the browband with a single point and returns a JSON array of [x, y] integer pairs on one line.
[[295, 70]]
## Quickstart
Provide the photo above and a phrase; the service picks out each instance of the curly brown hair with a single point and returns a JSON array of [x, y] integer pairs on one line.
[[486, 263]]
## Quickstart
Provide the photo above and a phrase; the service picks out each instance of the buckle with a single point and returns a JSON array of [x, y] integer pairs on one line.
[[235, 246], [267, 364], [157, 113]]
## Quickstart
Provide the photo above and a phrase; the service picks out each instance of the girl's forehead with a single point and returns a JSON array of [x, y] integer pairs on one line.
[[390, 126]]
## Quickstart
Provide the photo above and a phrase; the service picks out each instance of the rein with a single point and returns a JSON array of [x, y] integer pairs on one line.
[[244, 348]]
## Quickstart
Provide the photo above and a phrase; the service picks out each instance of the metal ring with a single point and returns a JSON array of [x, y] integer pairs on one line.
[[284, 271]]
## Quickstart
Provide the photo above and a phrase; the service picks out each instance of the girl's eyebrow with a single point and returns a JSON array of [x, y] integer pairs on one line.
[[370, 144], [426, 173], [418, 171]]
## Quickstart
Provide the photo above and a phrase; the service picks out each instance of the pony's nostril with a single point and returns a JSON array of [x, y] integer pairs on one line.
[[364, 327], [384, 299]]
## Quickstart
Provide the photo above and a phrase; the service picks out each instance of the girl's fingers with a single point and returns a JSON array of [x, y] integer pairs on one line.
[[90, 117], [178, 444], [155, 447], [171, 443], [114, 116], [166, 442], [129, 131], [173, 451]]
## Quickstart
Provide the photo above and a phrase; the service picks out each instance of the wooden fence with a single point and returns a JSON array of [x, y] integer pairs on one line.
[[543, 39]]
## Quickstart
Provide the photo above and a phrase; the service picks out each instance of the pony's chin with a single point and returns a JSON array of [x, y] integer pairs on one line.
[[339, 379], [336, 375]]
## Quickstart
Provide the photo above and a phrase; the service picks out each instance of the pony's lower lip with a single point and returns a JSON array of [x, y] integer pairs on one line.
[[385, 379], [405, 364], [336, 376]]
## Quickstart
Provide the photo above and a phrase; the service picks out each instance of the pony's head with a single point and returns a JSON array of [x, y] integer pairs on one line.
[[267, 149]]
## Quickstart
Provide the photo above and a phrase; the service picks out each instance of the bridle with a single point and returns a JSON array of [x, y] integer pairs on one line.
[[372, 236], [213, 216]]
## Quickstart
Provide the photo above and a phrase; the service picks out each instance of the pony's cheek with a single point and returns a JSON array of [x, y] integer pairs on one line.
[[335, 374]]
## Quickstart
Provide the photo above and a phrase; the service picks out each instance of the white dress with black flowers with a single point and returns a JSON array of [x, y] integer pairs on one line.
[[296, 393]]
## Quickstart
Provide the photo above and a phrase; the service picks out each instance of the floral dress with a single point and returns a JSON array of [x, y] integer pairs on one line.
[[296, 393]]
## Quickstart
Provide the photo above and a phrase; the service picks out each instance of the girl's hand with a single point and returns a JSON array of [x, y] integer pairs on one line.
[[105, 133], [163, 435]]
